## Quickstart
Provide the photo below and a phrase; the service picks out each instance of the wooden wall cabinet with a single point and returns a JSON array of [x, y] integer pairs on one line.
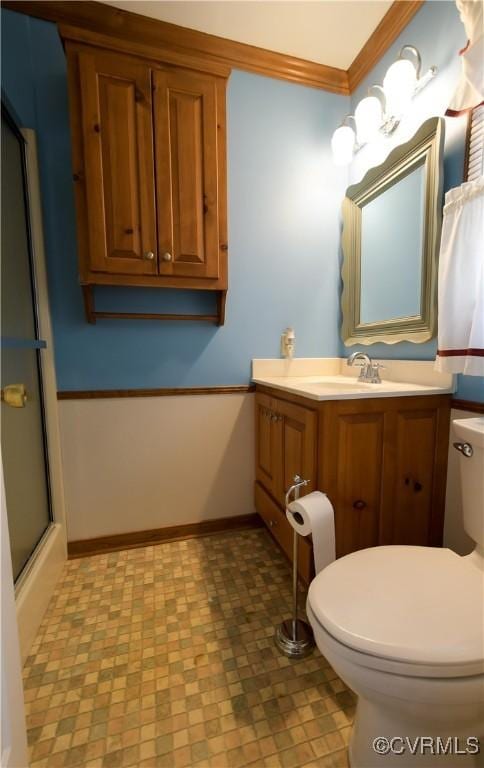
[[149, 161], [382, 463]]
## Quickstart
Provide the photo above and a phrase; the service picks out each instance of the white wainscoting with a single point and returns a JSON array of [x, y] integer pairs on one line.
[[137, 463], [455, 536]]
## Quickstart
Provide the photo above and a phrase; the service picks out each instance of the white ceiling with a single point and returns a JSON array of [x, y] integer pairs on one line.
[[325, 31]]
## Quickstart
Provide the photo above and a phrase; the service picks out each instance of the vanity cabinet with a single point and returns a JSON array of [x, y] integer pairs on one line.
[[149, 162], [381, 461]]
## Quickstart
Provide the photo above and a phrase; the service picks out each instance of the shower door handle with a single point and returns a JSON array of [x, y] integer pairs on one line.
[[14, 395]]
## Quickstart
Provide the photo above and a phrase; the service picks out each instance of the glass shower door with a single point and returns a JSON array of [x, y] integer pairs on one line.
[[24, 449]]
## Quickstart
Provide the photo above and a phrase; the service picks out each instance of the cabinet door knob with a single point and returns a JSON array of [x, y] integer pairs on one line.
[[167, 256], [272, 523], [359, 504], [149, 255]]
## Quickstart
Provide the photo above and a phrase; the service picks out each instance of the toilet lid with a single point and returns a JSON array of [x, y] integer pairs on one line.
[[417, 605]]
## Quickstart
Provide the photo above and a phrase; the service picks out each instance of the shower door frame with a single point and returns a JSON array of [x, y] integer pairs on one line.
[[36, 583]]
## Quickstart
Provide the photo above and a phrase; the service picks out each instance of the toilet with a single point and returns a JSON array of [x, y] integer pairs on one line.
[[403, 626]]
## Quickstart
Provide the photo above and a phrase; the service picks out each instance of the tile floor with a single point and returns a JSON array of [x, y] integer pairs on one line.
[[164, 657]]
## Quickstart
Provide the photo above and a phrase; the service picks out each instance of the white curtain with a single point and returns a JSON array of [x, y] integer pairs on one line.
[[461, 282], [470, 90]]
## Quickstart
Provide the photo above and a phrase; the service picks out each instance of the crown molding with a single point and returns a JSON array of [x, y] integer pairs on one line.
[[400, 13], [155, 34], [159, 36]]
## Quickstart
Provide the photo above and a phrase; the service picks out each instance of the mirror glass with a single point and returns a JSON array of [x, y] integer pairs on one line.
[[391, 231]]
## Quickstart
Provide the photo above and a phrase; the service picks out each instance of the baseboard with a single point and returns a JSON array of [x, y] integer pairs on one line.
[[117, 542]]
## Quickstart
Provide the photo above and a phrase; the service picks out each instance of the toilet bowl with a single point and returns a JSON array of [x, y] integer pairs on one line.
[[403, 626]]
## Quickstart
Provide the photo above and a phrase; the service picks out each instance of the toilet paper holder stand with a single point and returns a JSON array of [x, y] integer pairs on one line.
[[294, 637]]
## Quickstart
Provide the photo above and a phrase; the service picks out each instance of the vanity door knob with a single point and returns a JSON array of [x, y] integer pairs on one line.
[[359, 504], [417, 486], [167, 256], [272, 523], [149, 255]]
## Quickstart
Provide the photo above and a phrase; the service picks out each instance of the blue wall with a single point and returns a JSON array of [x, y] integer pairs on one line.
[[438, 33], [284, 229], [284, 198]]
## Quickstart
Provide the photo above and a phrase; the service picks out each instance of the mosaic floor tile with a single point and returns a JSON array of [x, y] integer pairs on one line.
[[164, 657]]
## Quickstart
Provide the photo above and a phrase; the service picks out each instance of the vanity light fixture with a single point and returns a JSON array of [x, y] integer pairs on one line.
[[370, 115], [382, 112], [401, 80], [343, 142]]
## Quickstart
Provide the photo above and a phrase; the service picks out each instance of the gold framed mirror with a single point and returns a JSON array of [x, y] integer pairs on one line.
[[391, 237]]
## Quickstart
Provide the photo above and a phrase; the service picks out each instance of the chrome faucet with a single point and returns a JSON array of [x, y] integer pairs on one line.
[[370, 371]]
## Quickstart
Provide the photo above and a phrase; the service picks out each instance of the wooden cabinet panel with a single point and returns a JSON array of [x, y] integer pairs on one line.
[[119, 166], [353, 448], [185, 116], [266, 447], [285, 447], [411, 487], [296, 435]]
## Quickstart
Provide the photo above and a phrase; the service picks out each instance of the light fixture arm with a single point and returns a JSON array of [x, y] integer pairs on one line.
[[412, 49], [380, 93], [345, 120]]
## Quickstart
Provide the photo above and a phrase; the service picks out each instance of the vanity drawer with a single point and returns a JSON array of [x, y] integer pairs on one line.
[[276, 521]]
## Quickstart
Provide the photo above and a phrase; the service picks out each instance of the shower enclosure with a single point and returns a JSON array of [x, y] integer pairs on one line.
[[30, 439], [23, 433]]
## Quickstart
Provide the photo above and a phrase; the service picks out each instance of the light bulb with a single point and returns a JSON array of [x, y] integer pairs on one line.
[[399, 86], [343, 145], [368, 116]]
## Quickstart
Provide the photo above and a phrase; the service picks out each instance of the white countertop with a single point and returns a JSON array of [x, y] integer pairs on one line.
[[332, 379]]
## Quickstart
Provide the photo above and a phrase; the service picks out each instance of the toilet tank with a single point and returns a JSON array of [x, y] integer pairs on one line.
[[470, 432]]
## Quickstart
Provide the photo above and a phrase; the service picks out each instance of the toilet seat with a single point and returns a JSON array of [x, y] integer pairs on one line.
[[418, 610]]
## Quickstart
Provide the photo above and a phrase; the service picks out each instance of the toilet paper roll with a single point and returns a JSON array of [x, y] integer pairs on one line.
[[314, 514]]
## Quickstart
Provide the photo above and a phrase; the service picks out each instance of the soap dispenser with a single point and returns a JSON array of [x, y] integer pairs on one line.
[[288, 343]]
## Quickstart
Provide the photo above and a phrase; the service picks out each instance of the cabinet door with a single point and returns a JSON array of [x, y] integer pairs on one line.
[[115, 93], [267, 449], [351, 476], [185, 117], [414, 476], [295, 428]]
